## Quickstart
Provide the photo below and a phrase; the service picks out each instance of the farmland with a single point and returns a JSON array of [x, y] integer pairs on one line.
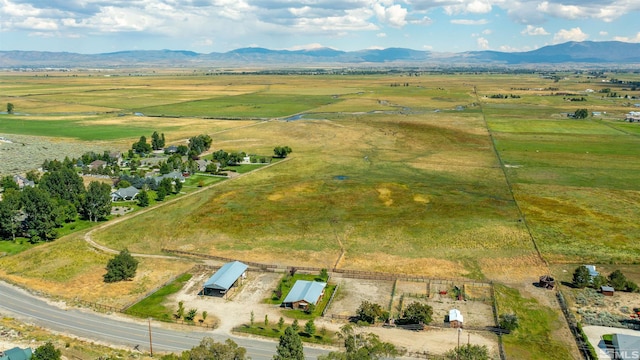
[[434, 178]]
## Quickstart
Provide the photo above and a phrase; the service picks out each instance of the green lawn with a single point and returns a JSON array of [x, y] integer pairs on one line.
[[153, 305]]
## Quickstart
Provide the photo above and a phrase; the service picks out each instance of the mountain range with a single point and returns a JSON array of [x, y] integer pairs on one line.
[[606, 53]]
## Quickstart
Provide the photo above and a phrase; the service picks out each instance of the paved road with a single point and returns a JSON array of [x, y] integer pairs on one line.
[[118, 331]]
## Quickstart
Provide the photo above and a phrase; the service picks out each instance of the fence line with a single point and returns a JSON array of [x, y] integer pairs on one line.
[[335, 291], [573, 326]]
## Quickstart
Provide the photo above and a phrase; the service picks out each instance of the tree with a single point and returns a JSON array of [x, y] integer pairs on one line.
[[191, 314], [8, 183], [9, 211], [468, 352], [210, 349], [281, 151], [180, 311], [156, 141], [10, 108], [280, 323], [177, 186], [64, 183], [418, 313], [161, 193], [289, 346], [508, 322], [617, 280], [310, 327], [121, 267], [141, 147], [362, 347], [143, 198], [252, 319], [40, 217], [295, 326], [47, 352], [369, 312], [581, 114], [581, 277], [97, 202]]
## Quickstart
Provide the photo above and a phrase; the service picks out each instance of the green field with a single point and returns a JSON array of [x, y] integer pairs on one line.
[[436, 178]]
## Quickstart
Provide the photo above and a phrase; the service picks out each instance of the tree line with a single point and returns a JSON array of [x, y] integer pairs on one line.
[[59, 197]]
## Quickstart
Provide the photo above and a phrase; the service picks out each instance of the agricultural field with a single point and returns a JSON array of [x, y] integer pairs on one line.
[[439, 178]]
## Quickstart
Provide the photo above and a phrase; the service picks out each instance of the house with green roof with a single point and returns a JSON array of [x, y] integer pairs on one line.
[[16, 354], [304, 293]]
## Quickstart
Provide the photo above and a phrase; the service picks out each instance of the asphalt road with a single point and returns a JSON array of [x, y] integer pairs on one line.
[[118, 331]]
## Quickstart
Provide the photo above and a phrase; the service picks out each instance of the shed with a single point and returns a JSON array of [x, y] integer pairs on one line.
[[547, 282], [97, 164], [456, 319], [607, 290], [304, 293], [224, 279], [626, 347], [16, 354]]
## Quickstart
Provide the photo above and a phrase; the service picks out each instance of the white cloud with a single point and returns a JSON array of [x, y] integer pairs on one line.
[[634, 39], [394, 15], [574, 34], [469, 22], [381, 35], [483, 43], [533, 31], [603, 33], [468, 6], [487, 32]]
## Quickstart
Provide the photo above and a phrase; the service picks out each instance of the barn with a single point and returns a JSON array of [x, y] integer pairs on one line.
[[225, 278], [304, 293]]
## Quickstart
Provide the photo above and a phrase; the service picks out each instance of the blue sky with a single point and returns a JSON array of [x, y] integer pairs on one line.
[[204, 26]]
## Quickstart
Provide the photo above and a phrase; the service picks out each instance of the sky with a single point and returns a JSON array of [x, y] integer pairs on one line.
[[205, 26]]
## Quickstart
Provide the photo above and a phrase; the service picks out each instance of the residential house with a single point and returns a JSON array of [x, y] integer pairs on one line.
[[626, 347], [22, 182], [16, 353], [304, 293], [124, 194], [225, 278], [97, 164], [171, 149], [633, 116], [592, 271], [174, 175]]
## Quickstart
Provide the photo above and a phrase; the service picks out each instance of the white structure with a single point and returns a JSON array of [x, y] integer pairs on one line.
[[455, 318]]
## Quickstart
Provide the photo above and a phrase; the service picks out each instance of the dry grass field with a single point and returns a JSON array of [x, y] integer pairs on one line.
[[437, 178]]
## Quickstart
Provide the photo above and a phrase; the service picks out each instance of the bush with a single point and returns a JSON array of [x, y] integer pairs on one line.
[[369, 312], [122, 267], [509, 322], [417, 313]]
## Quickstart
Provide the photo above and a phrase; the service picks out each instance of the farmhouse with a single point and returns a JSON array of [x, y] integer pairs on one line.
[[225, 278], [16, 354], [626, 347], [455, 318], [128, 193], [304, 293], [592, 271]]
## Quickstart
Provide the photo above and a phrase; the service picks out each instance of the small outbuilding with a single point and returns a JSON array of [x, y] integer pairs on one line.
[[225, 278], [592, 270], [547, 282], [304, 293], [456, 320], [607, 290]]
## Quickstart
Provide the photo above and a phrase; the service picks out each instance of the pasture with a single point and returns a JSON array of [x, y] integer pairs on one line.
[[435, 178]]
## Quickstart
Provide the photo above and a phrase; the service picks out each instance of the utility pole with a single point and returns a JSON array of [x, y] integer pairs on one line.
[[458, 349], [150, 342]]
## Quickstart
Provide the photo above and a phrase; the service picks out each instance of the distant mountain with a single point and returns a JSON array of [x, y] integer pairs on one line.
[[587, 52]]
